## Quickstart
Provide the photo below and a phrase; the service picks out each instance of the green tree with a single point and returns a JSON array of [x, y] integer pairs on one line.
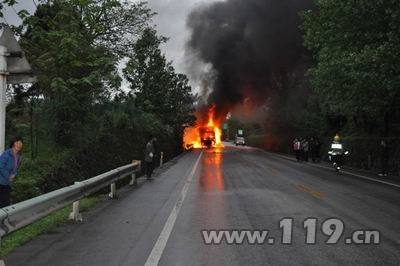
[[156, 87], [114, 24], [356, 47], [71, 72], [76, 62], [146, 72]]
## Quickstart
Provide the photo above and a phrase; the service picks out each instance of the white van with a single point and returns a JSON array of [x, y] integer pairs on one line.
[[240, 141]]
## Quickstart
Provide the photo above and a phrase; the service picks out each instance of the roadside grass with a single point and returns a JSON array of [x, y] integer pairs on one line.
[[42, 226]]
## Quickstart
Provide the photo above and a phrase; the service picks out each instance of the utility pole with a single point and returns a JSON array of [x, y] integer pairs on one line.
[[3, 100], [14, 69]]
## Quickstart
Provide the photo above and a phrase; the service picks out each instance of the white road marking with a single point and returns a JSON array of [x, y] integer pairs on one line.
[[372, 179], [345, 172], [162, 240]]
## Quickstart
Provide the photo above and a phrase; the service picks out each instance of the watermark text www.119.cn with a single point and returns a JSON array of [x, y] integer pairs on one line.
[[332, 232]]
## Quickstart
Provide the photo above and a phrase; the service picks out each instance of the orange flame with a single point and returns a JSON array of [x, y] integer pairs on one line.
[[194, 136], [191, 138]]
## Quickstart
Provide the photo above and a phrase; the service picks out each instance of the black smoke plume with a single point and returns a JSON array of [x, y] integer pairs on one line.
[[253, 47]]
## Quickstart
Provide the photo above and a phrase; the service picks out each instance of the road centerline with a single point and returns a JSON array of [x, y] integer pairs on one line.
[[311, 191], [162, 240]]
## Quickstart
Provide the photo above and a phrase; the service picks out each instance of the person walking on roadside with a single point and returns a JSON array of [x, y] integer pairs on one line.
[[149, 156], [384, 152], [9, 164]]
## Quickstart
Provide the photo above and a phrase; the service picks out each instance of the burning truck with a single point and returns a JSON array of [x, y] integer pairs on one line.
[[206, 134], [207, 137]]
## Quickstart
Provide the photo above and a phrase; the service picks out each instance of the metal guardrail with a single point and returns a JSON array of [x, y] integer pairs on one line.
[[24, 213]]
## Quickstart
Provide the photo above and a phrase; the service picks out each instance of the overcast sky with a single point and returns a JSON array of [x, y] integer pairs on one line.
[[170, 21]]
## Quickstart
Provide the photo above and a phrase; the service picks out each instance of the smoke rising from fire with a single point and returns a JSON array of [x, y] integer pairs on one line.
[[252, 46]]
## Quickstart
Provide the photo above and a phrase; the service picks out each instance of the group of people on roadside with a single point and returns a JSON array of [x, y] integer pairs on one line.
[[306, 148]]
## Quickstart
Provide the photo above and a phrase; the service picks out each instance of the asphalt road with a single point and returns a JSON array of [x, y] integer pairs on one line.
[[231, 188]]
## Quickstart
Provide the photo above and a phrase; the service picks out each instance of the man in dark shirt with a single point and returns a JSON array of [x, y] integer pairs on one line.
[[149, 156]]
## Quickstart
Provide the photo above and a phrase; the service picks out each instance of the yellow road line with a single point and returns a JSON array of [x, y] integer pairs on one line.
[[314, 193]]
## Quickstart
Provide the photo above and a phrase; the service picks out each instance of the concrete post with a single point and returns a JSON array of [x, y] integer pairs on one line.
[[3, 100], [113, 192], [75, 215], [133, 180], [161, 159]]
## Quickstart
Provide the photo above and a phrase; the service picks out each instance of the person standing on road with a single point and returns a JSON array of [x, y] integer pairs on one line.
[[149, 156], [384, 152], [296, 148], [9, 163]]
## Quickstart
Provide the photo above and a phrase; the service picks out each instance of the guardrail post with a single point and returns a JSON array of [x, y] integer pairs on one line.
[[113, 192], [133, 180], [161, 159], [1, 259], [75, 215]]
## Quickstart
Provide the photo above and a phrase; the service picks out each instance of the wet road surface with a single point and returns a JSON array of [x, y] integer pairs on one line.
[[161, 222]]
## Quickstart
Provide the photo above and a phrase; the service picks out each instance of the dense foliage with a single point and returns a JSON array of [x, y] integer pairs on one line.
[[356, 74], [356, 46], [79, 119]]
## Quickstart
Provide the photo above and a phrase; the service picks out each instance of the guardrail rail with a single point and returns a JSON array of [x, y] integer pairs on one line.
[[24, 213]]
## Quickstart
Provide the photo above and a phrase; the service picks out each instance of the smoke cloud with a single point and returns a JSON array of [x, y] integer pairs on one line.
[[251, 49]]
